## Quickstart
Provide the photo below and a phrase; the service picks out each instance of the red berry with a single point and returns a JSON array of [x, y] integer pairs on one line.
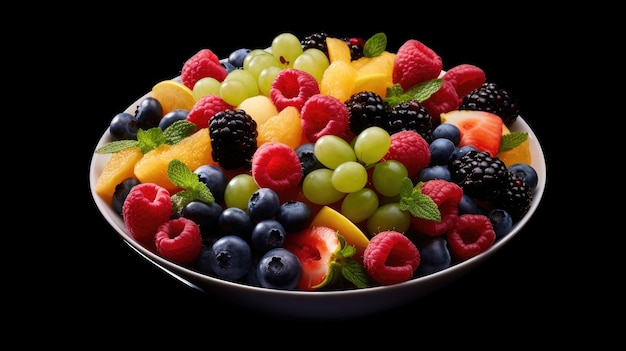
[[471, 235], [410, 148], [465, 78], [179, 240], [146, 207], [205, 108], [443, 100], [415, 63], [276, 166], [323, 114], [447, 196], [203, 64], [390, 258], [292, 87]]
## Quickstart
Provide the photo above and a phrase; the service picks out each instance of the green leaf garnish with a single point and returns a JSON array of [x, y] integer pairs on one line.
[[194, 188], [375, 45], [342, 265], [512, 140], [418, 204], [152, 138], [421, 92]]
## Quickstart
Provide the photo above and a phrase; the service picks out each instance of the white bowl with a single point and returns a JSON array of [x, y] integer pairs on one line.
[[326, 304]]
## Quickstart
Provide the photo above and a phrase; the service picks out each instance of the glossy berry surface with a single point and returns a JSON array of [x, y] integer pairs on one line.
[[123, 126], [214, 178], [263, 204], [121, 192], [279, 268], [171, 117], [267, 234], [230, 257]]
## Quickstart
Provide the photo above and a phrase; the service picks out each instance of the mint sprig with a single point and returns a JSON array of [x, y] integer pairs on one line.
[[417, 203], [194, 189], [512, 140], [343, 266], [375, 45], [152, 138], [420, 92]]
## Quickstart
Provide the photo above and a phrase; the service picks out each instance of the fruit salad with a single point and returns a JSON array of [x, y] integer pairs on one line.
[[319, 163]]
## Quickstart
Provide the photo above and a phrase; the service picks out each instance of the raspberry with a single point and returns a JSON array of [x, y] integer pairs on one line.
[[205, 108], [179, 240], [465, 78], [415, 63], [292, 87], [447, 196], [471, 235], [276, 166], [390, 258], [322, 115], [203, 64], [443, 100], [146, 207], [410, 148]]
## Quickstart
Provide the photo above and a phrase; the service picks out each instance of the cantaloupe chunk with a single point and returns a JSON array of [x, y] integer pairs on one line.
[[120, 167]]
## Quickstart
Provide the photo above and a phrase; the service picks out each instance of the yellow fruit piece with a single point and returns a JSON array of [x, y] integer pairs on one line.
[[285, 127], [259, 107], [193, 151], [173, 95], [338, 80], [374, 73], [377, 83], [329, 217], [518, 154], [338, 50], [120, 166]]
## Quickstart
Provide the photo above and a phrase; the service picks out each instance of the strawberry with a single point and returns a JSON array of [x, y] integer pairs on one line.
[[415, 63], [481, 129], [202, 64], [325, 258]]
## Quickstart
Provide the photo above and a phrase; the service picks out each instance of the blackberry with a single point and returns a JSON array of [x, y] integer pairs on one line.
[[317, 41], [233, 138], [491, 98], [366, 109], [410, 115], [481, 176], [356, 47], [516, 197]]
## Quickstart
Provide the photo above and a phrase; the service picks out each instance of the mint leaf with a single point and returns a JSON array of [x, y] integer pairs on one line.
[[152, 138], [375, 45], [421, 92], [418, 204], [512, 140], [178, 131], [116, 146], [195, 189]]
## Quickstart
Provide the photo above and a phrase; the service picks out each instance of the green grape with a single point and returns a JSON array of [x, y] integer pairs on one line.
[[266, 78], [248, 80], [252, 54], [311, 64], [388, 217], [317, 187], [372, 144], [205, 86], [286, 47], [319, 56], [238, 191], [359, 205], [233, 91], [349, 177], [261, 62], [332, 151], [387, 177]]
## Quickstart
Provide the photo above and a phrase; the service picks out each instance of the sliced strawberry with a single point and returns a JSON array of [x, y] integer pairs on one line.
[[481, 129], [325, 258]]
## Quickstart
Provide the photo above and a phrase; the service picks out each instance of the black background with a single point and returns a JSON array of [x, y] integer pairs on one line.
[[126, 55]]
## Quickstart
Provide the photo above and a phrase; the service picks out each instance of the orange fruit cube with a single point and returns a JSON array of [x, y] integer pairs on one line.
[[285, 127], [338, 50], [119, 167], [173, 95], [338, 80]]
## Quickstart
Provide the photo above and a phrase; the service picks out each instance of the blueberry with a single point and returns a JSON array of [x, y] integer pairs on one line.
[[441, 151], [215, 179], [526, 172], [294, 216], [123, 126], [434, 256], [435, 172], [279, 268], [235, 221], [236, 57], [205, 215], [171, 117], [462, 151], [501, 221], [149, 113], [267, 234], [468, 205], [306, 154], [230, 257], [264, 203], [228, 66], [447, 131], [121, 192]]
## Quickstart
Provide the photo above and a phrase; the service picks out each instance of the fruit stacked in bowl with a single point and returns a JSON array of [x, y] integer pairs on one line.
[[320, 164]]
